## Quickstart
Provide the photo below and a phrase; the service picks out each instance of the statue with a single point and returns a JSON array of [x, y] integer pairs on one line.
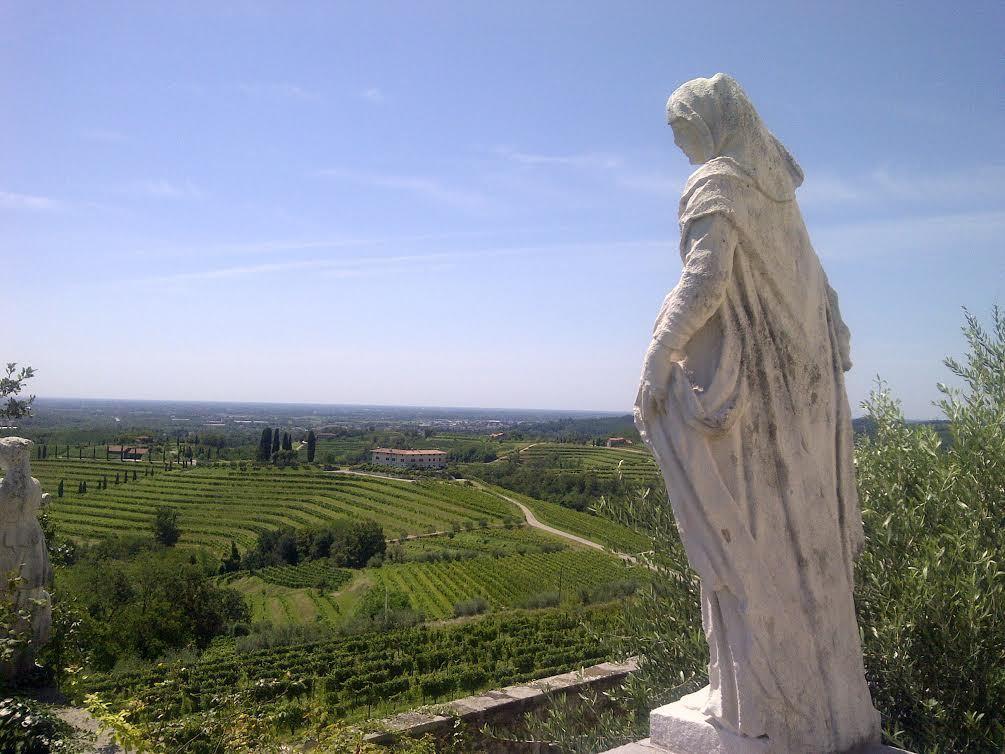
[[743, 404], [23, 552]]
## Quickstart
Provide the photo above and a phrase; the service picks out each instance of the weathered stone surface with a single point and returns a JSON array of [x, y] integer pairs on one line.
[[678, 729], [743, 403], [23, 550]]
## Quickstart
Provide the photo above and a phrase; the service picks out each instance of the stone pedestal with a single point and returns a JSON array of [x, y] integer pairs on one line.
[[677, 729], [683, 730]]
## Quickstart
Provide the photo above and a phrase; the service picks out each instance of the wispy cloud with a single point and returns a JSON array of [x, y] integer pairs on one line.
[[588, 160], [952, 234], [374, 95], [29, 202], [360, 266], [162, 189], [421, 186], [608, 166], [279, 90], [980, 183]]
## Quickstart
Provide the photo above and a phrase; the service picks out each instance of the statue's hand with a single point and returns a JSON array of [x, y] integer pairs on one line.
[[655, 388]]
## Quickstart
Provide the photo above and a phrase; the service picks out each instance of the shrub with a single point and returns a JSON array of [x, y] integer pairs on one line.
[[540, 600], [474, 606]]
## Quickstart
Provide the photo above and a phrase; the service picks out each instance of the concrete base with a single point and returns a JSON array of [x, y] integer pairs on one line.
[[677, 729]]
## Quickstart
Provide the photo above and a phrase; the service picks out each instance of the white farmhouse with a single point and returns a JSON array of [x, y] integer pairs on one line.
[[409, 459]]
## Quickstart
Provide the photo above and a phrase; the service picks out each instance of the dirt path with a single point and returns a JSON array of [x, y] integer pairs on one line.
[[534, 521], [518, 451]]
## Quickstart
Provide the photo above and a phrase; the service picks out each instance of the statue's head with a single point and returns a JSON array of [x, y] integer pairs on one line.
[[713, 117]]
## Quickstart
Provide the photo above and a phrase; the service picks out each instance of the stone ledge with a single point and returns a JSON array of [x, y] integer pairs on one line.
[[499, 704]]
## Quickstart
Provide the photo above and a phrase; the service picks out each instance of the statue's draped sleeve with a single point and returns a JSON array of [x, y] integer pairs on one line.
[[709, 214], [698, 295]]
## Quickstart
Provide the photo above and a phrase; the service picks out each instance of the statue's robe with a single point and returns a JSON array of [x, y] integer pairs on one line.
[[756, 451]]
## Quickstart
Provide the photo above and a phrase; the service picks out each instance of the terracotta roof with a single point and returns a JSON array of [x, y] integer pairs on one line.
[[410, 452]]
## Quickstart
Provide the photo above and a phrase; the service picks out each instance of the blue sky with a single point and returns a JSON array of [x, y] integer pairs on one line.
[[468, 204]]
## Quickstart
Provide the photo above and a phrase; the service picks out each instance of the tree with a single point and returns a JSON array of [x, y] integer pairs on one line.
[[264, 446], [11, 385], [287, 441], [312, 445], [275, 440], [165, 526]]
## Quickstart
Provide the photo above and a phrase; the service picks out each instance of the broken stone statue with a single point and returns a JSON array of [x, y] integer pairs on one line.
[[23, 554], [743, 404]]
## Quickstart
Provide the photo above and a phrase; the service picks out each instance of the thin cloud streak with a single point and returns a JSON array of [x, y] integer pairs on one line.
[[426, 188], [374, 95], [358, 266], [170, 190], [986, 182], [280, 90], [29, 202], [588, 160], [951, 235]]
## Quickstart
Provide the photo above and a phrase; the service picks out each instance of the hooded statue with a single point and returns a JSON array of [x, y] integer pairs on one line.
[[743, 404]]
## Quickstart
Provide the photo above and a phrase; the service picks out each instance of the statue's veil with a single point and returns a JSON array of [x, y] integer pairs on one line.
[[720, 111]]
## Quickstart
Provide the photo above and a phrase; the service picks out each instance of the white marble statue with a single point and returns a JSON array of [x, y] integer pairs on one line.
[[22, 548], [743, 404]]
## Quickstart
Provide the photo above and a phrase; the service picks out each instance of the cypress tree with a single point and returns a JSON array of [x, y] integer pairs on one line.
[[312, 445], [287, 441], [265, 445], [275, 440]]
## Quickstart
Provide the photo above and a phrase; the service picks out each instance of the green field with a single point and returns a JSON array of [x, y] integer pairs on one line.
[[635, 465], [217, 505]]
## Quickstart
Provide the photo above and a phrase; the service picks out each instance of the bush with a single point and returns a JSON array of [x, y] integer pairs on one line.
[[540, 600], [474, 606], [614, 590]]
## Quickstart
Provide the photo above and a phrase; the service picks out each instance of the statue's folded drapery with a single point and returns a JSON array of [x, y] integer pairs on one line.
[[756, 451]]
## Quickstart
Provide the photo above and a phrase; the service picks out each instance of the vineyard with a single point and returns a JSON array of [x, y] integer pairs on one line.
[[506, 582], [217, 505], [514, 540], [634, 465], [537, 563], [390, 670], [318, 574]]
